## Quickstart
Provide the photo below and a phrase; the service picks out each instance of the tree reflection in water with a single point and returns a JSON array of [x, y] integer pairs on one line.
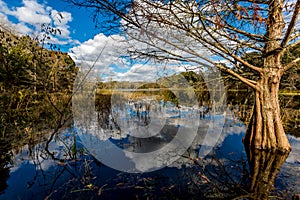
[[211, 176], [74, 174], [264, 167], [5, 160]]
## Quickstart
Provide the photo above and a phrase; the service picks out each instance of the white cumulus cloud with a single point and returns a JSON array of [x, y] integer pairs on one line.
[[107, 56], [101, 52], [31, 13], [30, 17]]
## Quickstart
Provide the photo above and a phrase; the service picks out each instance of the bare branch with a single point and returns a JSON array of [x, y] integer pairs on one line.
[[221, 47], [248, 82], [291, 25], [291, 46], [291, 64], [294, 37]]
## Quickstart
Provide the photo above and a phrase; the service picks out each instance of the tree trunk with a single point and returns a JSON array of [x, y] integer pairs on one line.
[[265, 130]]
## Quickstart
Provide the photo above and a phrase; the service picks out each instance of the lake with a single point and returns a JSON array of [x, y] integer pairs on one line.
[[146, 149]]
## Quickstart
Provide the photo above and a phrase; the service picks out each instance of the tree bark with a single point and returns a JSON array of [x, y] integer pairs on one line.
[[265, 130]]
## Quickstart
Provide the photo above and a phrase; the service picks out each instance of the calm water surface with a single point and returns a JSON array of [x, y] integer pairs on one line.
[[214, 167]]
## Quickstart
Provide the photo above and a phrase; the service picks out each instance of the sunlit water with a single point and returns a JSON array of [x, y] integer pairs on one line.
[[216, 158]]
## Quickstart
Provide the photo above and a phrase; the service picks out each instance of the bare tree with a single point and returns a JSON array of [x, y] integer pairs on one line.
[[219, 34]]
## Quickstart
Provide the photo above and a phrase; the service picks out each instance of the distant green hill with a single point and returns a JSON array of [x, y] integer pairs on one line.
[[35, 87], [24, 63]]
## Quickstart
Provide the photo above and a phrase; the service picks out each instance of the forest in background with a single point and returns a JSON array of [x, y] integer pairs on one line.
[[35, 87]]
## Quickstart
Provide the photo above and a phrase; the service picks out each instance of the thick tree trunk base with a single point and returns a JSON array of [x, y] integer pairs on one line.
[[257, 139], [265, 130], [267, 141]]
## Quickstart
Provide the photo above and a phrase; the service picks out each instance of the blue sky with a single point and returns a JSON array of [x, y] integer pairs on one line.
[[27, 13], [79, 38], [83, 42]]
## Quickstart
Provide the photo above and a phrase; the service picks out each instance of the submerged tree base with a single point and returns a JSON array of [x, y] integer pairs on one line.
[[265, 130], [254, 142]]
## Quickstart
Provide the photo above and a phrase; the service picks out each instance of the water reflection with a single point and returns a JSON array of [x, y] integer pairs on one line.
[[214, 167], [5, 161], [34, 174], [136, 116], [142, 134], [264, 167]]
